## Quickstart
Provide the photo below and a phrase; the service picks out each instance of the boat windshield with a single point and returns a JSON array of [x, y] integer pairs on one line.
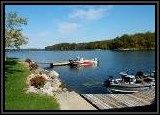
[[153, 74], [128, 78], [131, 76], [123, 74]]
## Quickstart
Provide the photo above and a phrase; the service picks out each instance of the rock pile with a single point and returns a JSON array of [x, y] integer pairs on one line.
[[32, 65], [52, 82]]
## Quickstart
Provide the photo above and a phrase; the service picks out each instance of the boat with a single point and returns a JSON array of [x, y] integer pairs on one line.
[[81, 62], [130, 83]]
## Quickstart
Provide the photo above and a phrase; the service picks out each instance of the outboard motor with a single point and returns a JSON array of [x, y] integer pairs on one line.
[[139, 73], [70, 60]]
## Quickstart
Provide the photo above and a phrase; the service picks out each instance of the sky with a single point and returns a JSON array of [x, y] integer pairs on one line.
[[53, 24]]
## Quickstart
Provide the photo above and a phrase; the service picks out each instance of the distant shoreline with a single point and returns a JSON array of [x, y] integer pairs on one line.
[[123, 49], [133, 49]]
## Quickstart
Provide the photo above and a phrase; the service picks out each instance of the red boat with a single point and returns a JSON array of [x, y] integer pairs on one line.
[[81, 62]]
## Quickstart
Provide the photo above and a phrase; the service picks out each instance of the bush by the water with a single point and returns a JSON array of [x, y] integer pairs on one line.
[[33, 66], [28, 60], [38, 81]]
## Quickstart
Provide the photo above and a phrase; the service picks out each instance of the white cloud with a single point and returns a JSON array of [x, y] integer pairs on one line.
[[91, 13], [67, 27]]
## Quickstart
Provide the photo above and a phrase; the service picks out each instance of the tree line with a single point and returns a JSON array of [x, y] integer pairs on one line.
[[136, 41]]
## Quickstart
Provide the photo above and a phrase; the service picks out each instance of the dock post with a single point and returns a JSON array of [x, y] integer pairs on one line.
[[51, 65]]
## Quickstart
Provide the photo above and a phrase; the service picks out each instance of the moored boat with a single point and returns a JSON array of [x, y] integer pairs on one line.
[[81, 62], [130, 83]]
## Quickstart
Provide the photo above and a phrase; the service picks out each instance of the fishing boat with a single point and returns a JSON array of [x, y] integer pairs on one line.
[[130, 83], [81, 62]]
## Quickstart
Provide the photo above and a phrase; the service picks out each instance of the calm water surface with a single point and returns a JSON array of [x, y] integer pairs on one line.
[[90, 79]]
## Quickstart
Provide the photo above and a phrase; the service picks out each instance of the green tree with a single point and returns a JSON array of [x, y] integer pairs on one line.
[[13, 30], [135, 41]]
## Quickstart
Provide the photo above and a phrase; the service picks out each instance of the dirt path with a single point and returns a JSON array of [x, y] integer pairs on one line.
[[73, 101]]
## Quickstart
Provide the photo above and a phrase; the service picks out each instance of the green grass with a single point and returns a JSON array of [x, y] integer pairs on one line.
[[15, 96]]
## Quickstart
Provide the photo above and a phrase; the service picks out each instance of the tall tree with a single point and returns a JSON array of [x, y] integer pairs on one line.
[[13, 30]]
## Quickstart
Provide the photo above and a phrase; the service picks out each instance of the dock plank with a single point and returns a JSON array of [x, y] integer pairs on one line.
[[112, 101], [109, 102], [97, 102], [123, 98], [118, 101], [60, 63]]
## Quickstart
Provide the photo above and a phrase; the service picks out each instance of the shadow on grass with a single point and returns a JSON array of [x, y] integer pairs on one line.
[[10, 62], [9, 67]]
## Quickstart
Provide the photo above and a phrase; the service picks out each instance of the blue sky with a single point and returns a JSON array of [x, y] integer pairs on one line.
[[52, 24]]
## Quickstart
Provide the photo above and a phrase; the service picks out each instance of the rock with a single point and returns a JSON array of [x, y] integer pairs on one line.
[[55, 82], [48, 92], [52, 85], [32, 89], [40, 70], [45, 76], [29, 78], [53, 74], [37, 71], [65, 89], [59, 90], [47, 86]]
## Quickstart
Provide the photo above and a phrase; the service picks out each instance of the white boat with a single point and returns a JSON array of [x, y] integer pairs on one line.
[[81, 62], [130, 83]]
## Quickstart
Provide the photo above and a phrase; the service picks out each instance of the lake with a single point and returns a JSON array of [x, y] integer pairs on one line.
[[90, 79]]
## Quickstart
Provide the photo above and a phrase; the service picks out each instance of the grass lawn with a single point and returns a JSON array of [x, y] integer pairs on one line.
[[15, 96]]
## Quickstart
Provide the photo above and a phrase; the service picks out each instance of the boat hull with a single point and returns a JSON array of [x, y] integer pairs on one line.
[[84, 63], [128, 88], [130, 83]]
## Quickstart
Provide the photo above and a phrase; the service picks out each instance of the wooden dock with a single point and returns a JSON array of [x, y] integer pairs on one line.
[[59, 63], [118, 101]]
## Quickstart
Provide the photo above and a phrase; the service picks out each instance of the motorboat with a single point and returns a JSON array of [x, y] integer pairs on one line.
[[130, 83], [81, 62]]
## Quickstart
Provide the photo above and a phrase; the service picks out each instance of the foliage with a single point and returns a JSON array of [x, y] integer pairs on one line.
[[13, 30], [136, 41], [28, 61], [38, 81], [15, 96], [33, 66]]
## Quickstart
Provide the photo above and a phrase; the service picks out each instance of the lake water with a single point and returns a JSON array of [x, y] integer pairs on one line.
[[90, 79]]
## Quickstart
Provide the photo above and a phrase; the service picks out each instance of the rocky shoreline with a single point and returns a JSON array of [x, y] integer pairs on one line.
[[53, 86], [52, 83]]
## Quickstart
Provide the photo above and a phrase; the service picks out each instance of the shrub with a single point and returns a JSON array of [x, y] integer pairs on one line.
[[28, 60], [38, 81], [33, 66]]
